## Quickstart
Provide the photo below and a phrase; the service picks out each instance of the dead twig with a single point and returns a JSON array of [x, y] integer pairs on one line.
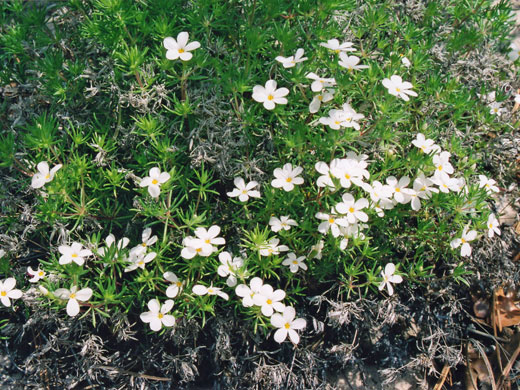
[[136, 374]]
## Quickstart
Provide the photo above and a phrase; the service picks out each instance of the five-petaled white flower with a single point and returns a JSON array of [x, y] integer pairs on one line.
[[157, 316], [154, 181], [139, 260], [44, 175], [496, 108], [175, 286], [269, 300], [334, 45], [272, 248], [352, 208], [73, 253], [397, 87], [199, 289], [282, 223], [515, 52], [36, 275], [289, 62], [110, 241], [492, 225], [287, 325], [401, 193], [180, 48], [73, 295], [210, 236], [229, 267], [350, 62], [488, 184], [247, 293], [464, 240], [406, 62], [287, 177], [295, 263], [195, 246], [442, 163], [426, 145], [8, 292], [323, 97], [319, 82], [389, 278], [330, 221], [269, 95], [244, 191]]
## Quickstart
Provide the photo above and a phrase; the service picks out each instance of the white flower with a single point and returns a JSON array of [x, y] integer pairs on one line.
[[244, 191], [423, 190], [316, 250], [353, 208], [154, 181], [380, 194], [272, 248], [289, 62], [287, 177], [295, 263], [195, 246], [400, 192], [487, 98], [199, 289], [426, 145], [496, 108], [73, 253], [492, 225], [248, 293], [389, 278], [349, 171], [287, 325], [334, 45], [146, 241], [157, 316], [44, 175], [488, 184], [283, 222], [2, 253], [269, 300], [139, 260], [73, 295], [350, 62], [110, 241], [397, 87], [517, 98], [335, 120], [406, 62], [180, 48], [317, 100], [515, 52], [324, 180], [351, 117], [229, 267], [442, 163], [209, 236], [446, 183], [173, 289], [354, 231], [35, 275], [319, 82], [331, 221], [464, 240], [8, 292], [269, 95]]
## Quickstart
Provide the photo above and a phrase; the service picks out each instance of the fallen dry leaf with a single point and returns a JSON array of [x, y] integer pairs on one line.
[[507, 310]]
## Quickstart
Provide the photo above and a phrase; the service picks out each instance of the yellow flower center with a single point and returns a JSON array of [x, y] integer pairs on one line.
[[288, 180], [320, 98], [397, 189], [154, 181], [210, 291], [143, 244], [490, 226], [160, 315], [179, 284], [270, 97], [487, 186], [337, 122], [331, 220], [270, 250], [398, 90], [41, 273], [3, 293], [463, 240], [181, 51], [351, 210], [294, 262], [244, 192], [72, 296], [269, 302], [287, 325], [47, 177], [141, 263], [198, 250], [423, 188], [347, 176], [74, 255], [337, 51], [439, 167], [207, 240]]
